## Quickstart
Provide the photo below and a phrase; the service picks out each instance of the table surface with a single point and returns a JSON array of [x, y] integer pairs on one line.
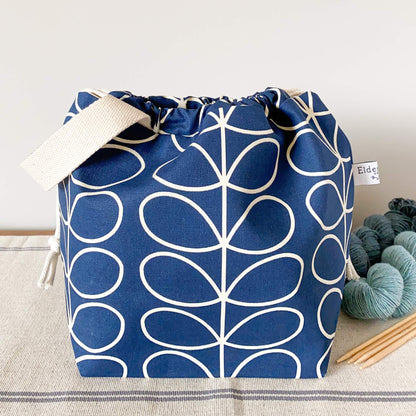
[[39, 375]]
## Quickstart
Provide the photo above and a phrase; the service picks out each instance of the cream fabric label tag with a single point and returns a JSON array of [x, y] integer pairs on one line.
[[366, 173]]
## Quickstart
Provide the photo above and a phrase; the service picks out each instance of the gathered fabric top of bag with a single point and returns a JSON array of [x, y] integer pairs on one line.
[[107, 114], [182, 115]]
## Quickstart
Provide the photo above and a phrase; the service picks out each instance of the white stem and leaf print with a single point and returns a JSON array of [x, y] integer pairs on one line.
[[335, 162], [107, 278], [220, 239], [225, 282]]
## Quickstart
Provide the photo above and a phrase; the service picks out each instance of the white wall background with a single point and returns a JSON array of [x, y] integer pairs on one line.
[[358, 55]]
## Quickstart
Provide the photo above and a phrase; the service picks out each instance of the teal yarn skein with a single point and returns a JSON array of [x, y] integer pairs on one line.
[[407, 239], [370, 243], [404, 262], [399, 221], [358, 255], [383, 252], [383, 227], [375, 297], [389, 290]]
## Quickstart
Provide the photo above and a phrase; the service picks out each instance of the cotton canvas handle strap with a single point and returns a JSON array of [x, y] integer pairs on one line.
[[80, 138]]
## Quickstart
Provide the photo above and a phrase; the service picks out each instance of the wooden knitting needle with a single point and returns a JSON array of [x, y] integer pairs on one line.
[[377, 337], [388, 337], [377, 357], [372, 349]]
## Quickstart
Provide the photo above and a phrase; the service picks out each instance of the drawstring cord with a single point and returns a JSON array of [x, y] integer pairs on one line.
[[351, 273], [49, 268]]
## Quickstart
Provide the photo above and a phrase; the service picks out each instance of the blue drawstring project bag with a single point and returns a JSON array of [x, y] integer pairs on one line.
[[210, 241]]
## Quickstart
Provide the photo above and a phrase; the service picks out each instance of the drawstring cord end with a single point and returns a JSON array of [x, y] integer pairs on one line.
[[351, 273], [49, 268]]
